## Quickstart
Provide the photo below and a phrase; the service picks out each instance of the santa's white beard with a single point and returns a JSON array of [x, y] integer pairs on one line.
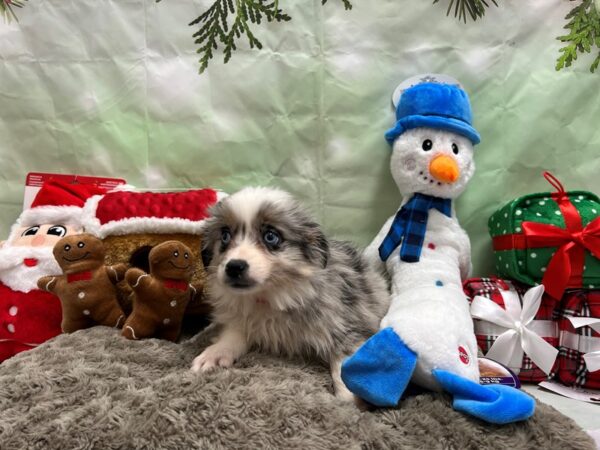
[[19, 277]]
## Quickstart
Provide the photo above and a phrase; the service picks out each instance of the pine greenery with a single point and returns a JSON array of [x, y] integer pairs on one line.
[[7, 8], [584, 33], [214, 27], [474, 8], [226, 22]]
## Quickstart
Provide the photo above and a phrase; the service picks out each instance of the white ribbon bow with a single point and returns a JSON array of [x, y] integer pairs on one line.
[[518, 338], [592, 359]]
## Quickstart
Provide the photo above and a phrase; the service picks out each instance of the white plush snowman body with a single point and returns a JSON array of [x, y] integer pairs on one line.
[[427, 335], [429, 310]]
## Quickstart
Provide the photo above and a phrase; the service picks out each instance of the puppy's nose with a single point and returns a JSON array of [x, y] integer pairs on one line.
[[236, 268]]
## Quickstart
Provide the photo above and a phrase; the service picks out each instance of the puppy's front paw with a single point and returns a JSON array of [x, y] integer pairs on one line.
[[214, 356]]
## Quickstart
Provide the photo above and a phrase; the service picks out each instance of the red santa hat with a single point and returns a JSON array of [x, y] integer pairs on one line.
[[57, 203]]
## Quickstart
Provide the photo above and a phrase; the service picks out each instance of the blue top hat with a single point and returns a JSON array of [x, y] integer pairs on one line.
[[434, 105]]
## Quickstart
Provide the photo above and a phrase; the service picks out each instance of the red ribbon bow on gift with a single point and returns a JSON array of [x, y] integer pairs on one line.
[[566, 266]]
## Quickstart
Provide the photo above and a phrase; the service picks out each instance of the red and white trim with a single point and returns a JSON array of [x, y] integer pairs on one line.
[[138, 225], [142, 225]]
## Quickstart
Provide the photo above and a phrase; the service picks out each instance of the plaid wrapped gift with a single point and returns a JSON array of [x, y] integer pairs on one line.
[[549, 237], [579, 349], [544, 323]]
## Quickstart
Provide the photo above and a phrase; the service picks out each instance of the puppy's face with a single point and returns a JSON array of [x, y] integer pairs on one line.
[[259, 239]]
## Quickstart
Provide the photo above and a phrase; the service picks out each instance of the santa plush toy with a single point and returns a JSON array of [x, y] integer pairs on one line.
[[29, 316]]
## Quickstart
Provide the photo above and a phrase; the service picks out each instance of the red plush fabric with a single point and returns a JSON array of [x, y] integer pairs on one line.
[[9, 349], [490, 288], [572, 369], [191, 205], [27, 320]]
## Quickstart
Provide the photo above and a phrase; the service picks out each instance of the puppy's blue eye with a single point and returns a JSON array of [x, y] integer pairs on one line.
[[271, 238], [225, 236]]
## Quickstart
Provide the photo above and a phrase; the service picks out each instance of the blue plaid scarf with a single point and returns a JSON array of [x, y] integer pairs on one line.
[[409, 226]]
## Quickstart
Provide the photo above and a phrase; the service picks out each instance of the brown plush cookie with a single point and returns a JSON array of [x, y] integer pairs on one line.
[[160, 298], [133, 250], [87, 288]]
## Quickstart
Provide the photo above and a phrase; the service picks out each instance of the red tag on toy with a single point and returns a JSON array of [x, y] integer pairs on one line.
[[463, 355]]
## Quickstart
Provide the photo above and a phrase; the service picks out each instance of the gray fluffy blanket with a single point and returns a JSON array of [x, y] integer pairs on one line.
[[96, 390]]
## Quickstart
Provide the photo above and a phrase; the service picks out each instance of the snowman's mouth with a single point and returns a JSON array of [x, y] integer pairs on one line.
[[428, 180]]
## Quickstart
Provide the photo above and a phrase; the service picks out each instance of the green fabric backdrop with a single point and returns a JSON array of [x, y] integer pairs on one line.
[[103, 87]]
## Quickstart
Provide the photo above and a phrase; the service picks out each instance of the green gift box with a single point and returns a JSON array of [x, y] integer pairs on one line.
[[552, 238]]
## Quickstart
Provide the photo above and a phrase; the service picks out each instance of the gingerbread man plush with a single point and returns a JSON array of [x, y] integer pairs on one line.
[[87, 287], [160, 297]]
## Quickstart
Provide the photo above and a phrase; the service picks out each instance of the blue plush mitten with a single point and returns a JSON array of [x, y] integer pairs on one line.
[[380, 369], [494, 403]]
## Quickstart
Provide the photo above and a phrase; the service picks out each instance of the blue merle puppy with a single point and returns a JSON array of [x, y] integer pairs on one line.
[[277, 284]]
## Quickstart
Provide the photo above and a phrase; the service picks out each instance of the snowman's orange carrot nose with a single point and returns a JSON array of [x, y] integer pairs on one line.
[[444, 168]]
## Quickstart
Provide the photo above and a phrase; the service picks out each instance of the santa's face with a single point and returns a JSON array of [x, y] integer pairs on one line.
[[41, 235], [27, 255]]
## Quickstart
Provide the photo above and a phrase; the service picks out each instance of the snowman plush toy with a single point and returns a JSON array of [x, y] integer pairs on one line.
[[427, 334]]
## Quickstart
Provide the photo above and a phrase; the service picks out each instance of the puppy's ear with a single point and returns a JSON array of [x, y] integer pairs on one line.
[[208, 241], [317, 248], [207, 255], [210, 236]]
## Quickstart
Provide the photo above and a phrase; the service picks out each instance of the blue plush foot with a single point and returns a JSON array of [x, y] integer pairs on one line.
[[494, 403], [380, 369]]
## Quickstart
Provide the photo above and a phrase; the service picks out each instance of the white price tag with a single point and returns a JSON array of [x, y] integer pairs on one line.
[[584, 395]]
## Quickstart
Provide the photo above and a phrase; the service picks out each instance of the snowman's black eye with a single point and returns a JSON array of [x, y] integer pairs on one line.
[[455, 149], [427, 145]]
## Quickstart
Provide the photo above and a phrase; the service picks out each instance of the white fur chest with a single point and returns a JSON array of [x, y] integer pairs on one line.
[[270, 327]]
